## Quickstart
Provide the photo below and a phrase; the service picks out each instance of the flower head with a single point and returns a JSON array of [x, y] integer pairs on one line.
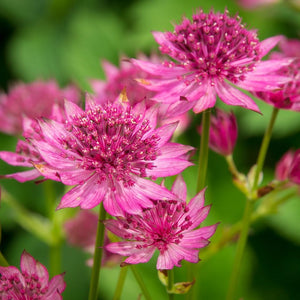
[[107, 151], [32, 282], [31, 100], [213, 52], [222, 132], [288, 95], [169, 227]]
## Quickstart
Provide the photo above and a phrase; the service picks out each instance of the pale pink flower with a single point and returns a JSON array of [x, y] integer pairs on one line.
[[288, 167], [81, 232], [169, 227], [107, 151], [215, 55], [288, 95], [223, 132], [31, 100], [32, 282]]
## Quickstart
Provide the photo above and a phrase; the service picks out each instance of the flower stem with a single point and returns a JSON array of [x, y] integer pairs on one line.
[[170, 283], [120, 283], [249, 208], [140, 281], [264, 148], [56, 248], [203, 155], [97, 254]]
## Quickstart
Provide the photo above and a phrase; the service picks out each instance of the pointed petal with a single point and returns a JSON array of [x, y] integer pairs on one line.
[[206, 101], [165, 133], [179, 188], [25, 175], [71, 110], [111, 205], [15, 159], [87, 195], [269, 43], [164, 167], [142, 256], [174, 150], [56, 287], [233, 96]]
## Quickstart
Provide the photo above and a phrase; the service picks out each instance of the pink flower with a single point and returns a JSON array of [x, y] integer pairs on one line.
[[123, 81], [107, 151], [288, 96], [32, 282], [223, 132], [26, 154], [81, 232], [213, 52], [32, 100], [169, 227], [288, 167]]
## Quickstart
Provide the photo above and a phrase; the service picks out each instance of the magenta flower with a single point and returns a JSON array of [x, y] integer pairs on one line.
[[288, 167], [123, 81], [223, 132], [26, 154], [81, 232], [107, 151], [31, 100], [288, 96], [213, 52], [32, 282], [169, 227]]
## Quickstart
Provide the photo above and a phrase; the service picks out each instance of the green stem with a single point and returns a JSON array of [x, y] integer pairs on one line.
[[140, 282], [170, 283], [263, 149], [120, 283], [3, 261], [240, 249], [203, 155], [249, 208], [97, 255], [56, 248]]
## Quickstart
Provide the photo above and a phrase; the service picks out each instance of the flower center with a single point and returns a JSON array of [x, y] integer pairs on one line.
[[12, 287], [161, 225], [113, 142], [213, 45]]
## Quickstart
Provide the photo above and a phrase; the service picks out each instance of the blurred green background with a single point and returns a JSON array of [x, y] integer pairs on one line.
[[66, 40]]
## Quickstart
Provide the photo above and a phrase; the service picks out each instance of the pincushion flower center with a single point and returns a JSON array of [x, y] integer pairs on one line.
[[213, 45], [111, 141], [161, 225]]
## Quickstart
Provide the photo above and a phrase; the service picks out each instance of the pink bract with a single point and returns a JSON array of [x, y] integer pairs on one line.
[[223, 132], [107, 151], [288, 95], [288, 167], [214, 54], [32, 100], [169, 227], [32, 282]]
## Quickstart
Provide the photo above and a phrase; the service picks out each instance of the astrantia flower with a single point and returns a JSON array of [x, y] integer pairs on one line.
[[25, 154], [222, 132], [213, 52], [32, 100], [288, 95], [32, 282], [169, 227], [288, 167], [81, 232], [107, 151], [123, 81]]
